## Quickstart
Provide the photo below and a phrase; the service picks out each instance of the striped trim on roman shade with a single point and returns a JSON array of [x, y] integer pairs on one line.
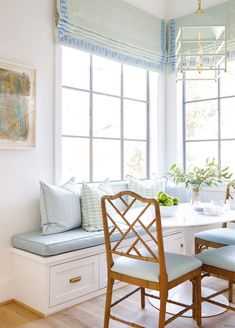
[[113, 29]]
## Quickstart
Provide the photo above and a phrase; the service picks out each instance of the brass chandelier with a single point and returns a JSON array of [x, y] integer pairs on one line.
[[200, 49]]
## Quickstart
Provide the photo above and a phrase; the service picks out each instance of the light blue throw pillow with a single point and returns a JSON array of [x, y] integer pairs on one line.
[[60, 207], [146, 188]]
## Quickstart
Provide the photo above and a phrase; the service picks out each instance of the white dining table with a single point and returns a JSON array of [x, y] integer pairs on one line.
[[190, 222]]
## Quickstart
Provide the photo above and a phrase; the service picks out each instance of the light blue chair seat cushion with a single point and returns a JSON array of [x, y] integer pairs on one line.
[[223, 257], [223, 236], [176, 265], [68, 241]]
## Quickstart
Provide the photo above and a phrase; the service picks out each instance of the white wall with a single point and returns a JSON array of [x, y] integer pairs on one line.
[[26, 36], [154, 7], [171, 8], [177, 8]]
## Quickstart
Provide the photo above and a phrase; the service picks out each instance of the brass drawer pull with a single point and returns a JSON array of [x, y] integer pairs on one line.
[[75, 279]]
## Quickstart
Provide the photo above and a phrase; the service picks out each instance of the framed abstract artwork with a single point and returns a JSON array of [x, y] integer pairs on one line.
[[17, 106]]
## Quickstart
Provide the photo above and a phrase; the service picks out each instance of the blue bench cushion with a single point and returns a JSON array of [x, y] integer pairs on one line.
[[176, 265], [48, 245], [223, 257], [223, 236], [68, 241]]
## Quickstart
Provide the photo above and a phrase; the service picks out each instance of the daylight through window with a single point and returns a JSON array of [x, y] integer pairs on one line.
[[105, 118], [209, 116]]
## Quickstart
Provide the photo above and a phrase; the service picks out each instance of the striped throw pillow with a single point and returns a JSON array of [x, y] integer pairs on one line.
[[91, 205]]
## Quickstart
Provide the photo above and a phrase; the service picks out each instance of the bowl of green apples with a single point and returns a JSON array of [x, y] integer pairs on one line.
[[168, 205]]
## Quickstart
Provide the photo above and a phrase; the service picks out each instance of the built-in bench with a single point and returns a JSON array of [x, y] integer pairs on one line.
[[64, 242], [53, 272]]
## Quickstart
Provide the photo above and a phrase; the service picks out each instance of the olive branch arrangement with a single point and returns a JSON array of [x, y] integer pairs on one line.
[[198, 177]]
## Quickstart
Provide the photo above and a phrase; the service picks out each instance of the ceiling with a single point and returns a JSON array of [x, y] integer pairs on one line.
[[171, 8], [155, 7]]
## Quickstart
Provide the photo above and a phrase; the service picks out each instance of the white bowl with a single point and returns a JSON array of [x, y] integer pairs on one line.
[[169, 210]]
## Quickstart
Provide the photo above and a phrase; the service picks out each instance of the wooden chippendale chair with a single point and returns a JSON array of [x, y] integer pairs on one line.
[[140, 264], [219, 262], [216, 238]]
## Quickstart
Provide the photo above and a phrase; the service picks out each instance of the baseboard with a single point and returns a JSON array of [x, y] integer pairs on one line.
[[6, 290], [62, 307], [29, 308], [6, 302], [22, 305]]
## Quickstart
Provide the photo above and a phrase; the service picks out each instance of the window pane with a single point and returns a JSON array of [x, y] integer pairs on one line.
[[75, 68], [228, 117], [198, 152], [106, 116], [201, 120], [195, 90], [228, 81], [106, 159], [227, 155], [75, 155], [106, 76], [93, 109], [134, 82], [135, 159], [135, 118], [75, 112]]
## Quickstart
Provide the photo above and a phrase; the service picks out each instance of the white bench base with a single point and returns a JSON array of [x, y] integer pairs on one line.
[[51, 284]]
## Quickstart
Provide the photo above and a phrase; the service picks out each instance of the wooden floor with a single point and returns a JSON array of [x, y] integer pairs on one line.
[[90, 314]]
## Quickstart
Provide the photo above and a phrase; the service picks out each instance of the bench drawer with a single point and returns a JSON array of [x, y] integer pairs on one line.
[[73, 279]]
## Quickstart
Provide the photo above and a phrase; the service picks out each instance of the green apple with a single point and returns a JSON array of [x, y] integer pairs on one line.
[[164, 196], [159, 194], [169, 202], [176, 201]]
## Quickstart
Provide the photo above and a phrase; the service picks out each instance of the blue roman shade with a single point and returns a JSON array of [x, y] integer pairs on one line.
[[113, 29]]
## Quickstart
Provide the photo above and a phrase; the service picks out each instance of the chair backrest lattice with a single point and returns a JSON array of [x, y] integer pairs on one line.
[[129, 220]]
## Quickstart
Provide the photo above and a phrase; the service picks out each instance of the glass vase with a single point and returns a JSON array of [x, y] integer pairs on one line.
[[195, 196]]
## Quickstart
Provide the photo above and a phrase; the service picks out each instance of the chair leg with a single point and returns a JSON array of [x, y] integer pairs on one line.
[[194, 296], [162, 311], [142, 295], [197, 295], [197, 247], [230, 291], [108, 302]]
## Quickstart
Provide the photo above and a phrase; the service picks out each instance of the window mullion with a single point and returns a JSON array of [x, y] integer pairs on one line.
[[91, 119], [148, 127], [122, 125], [184, 122], [219, 124]]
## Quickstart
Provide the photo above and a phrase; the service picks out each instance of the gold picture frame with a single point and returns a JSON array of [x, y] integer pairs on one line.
[[17, 106]]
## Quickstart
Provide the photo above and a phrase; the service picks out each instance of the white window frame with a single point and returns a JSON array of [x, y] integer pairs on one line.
[[157, 125], [219, 139]]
